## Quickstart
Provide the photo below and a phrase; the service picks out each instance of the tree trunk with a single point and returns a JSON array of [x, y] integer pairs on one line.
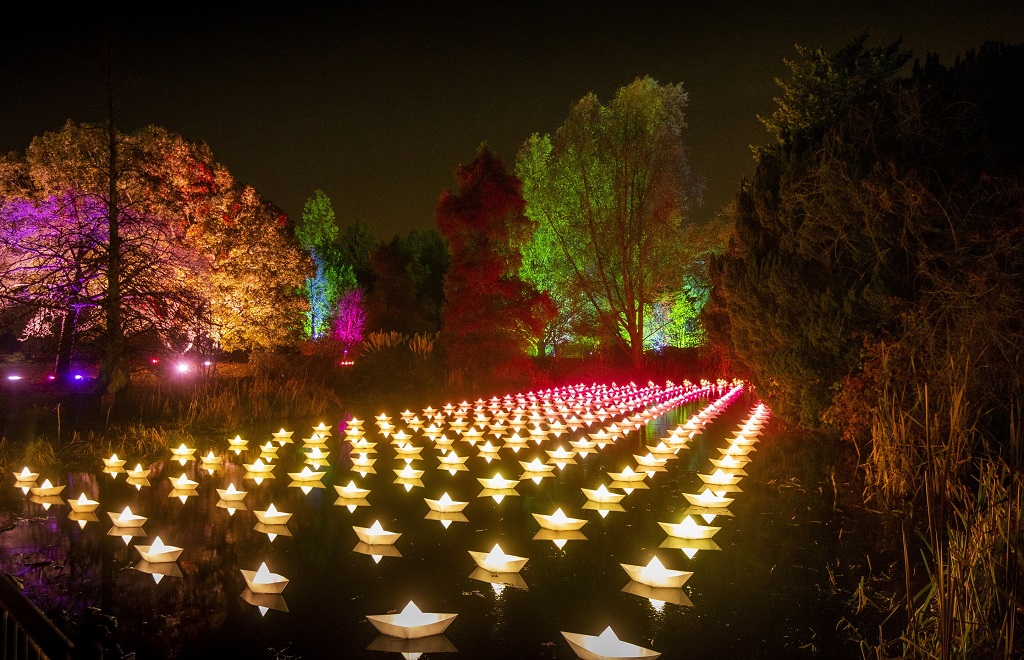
[[66, 344], [114, 369]]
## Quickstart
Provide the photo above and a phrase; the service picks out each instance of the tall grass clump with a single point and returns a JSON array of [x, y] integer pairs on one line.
[[961, 492]]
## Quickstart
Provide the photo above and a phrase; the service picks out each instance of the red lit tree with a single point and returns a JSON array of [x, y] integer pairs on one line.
[[491, 314]]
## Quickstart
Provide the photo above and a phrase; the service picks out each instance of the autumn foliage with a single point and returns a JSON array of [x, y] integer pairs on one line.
[[491, 313]]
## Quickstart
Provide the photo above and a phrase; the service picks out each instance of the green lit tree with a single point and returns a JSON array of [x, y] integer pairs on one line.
[[611, 190], [316, 233]]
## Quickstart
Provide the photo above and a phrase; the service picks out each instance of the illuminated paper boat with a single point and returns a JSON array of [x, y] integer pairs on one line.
[[409, 484], [376, 551], [496, 561], [127, 519], [728, 462], [560, 454], [663, 451], [658, 594], [265, 602], [306, 475], [231, 494], [83, 517], [558, 521], [211, 459], [602, 494], [400, 438], [536, 466], [408, 473], [183, 483], [452, 459], [654, 574], [408, 452], [158, 552], [351, 491], [138, 472], [272, 516], [316, 457], [736, 450], [113, 461], [237, 444], [138, 482], [688, 529], [46, 490], [628, 476], [322, 429], [606, 646], [707, 498], [159, 570], [650, 461], [445, 504], [719, 478], [411, 623], [376, 535], [364, 446], [582, 445], [412, 648], [83, 504], [258, 467], [267, 451], [26, 475], [497, 482], [282, 436], [315, 441], [446, 518], [262, 581]]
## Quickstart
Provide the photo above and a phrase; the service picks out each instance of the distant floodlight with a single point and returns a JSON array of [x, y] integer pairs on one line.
[[182, 367], [207, 363], [78, 376], [14, 377], [51, 377], [155, 361]]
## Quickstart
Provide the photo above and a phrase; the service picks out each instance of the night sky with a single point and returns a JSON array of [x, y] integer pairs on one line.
[[376, 103]]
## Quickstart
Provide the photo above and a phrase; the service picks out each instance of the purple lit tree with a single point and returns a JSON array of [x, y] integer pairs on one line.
[[350, 321]]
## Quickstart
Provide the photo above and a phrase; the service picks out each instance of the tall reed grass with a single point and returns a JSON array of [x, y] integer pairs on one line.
[[963, 580]]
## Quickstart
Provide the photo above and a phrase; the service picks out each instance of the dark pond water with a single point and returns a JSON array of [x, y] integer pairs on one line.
[[759, 595]]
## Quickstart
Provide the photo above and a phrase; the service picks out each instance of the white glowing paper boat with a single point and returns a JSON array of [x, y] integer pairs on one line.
[[602, 494], [688, 529], [606, 646], [322, 429], [375, 534], [719, 478], [654, 574], [535, 466], [282, 434], [445, 504], [183, 483], [351, 491], [497, 482], [628, 476], [231, 494], [262, 581], [138, 472], [113, 461], [127, 519], [158, 552], [210, 459], [411, 623], [408, 473], [736, 450], [46, 490], [237, 443], [728, 462], [83, 504], [306, 475], [707, 498], [558, 521], [650, 461], [259, 467], [26, 476], [272, 516], [496, 561]]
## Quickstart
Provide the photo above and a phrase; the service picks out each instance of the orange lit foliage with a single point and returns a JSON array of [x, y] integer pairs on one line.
[[491, 314]]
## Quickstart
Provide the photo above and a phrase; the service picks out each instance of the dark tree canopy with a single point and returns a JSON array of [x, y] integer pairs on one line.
[[885, 245]]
